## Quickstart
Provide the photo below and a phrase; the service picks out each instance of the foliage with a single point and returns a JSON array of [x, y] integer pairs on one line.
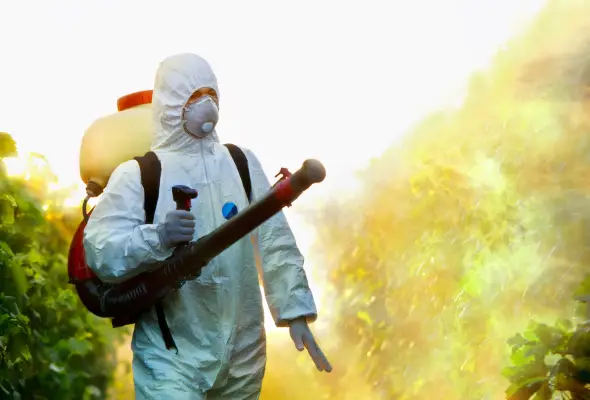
[[550, 359], [476, 223], [50, 346], [7, 145]]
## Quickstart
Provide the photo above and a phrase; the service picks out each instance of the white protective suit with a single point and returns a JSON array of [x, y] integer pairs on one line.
[[217, 319]]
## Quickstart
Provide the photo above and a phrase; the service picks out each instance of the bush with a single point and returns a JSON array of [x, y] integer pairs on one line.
[[550, 359], [50, 346], [476, 223]]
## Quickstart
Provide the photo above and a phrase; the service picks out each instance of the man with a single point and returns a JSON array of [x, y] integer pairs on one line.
[[217, 319]]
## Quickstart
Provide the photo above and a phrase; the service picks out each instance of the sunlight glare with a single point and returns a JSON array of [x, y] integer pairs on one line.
[[15, 166]]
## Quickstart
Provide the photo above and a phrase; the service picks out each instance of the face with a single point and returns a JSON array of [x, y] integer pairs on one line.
[[200, 119], [202, 92]]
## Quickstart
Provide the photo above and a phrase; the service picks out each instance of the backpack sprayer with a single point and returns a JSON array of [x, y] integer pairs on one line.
[[140, 293], [130, 128]]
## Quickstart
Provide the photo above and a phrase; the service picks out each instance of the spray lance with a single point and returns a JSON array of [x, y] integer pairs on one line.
[[141, 292]]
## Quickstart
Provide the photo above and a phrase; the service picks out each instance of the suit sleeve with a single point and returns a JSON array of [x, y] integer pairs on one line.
[[285, 283], [116, 238]]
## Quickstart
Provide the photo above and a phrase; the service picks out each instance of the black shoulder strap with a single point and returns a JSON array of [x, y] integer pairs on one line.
[[151, 169], [242, 164]]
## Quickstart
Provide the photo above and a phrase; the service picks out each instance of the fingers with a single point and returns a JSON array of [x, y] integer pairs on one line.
[[186, 231], [326, 366], [317, 355], [298, 340], [186, 223]]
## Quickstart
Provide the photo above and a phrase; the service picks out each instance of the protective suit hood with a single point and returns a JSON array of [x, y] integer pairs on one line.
[[177, 78]]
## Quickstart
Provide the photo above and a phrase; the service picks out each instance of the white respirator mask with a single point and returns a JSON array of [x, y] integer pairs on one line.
[[199, 118]]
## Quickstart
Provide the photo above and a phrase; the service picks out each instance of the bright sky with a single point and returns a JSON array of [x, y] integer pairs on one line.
[[334, 80]]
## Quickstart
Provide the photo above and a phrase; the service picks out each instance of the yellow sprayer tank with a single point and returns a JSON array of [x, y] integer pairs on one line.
[[113, 139]]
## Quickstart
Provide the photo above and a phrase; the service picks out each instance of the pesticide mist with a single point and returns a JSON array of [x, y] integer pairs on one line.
[[476, 224]]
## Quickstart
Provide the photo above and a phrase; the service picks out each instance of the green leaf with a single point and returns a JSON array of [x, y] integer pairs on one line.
[[7, 145], [18, 278], [526, 389], [544, 392], [525, 371], [5, 250], [7, 207], [523, 356], [564, 367], [517, 341], [80, 347], [565, 325], [579, 343], [364, 316], [549, 336]]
